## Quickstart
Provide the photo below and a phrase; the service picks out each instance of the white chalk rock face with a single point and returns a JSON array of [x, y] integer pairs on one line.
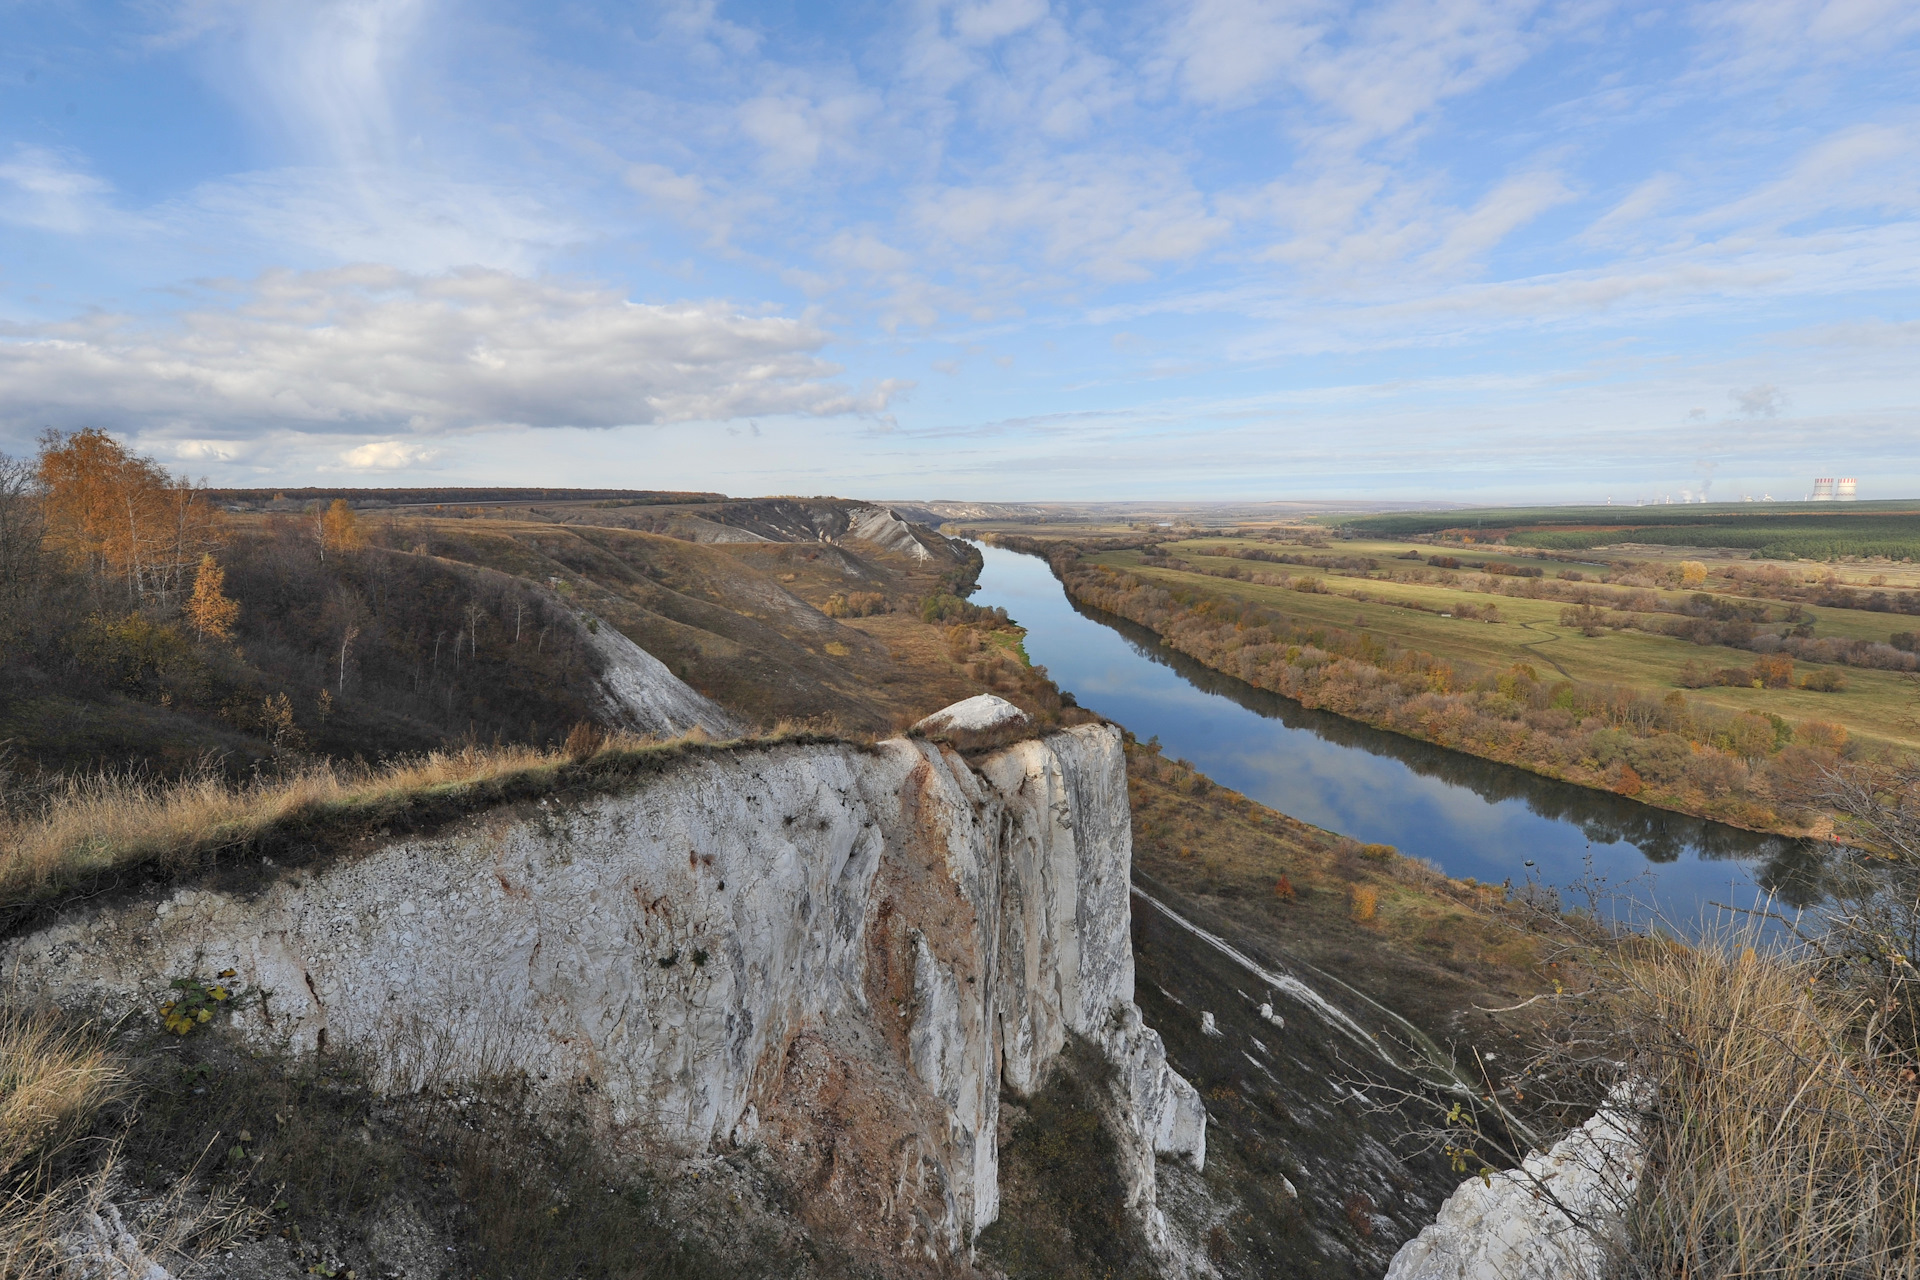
[[1515, 1225], [640, 694], [976, 714], [839, 952], [883, 527]]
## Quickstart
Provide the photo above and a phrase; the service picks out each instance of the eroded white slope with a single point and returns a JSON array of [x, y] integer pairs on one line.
[[640, 694]]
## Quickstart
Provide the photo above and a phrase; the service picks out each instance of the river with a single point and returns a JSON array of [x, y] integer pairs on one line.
[[1469, 816]]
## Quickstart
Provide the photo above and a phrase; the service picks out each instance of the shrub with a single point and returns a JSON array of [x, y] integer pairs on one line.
[[1825, 680], [137, 656], [1283, 889], [854, 604], [1821, 734], [1714, 773], [1365, 902]]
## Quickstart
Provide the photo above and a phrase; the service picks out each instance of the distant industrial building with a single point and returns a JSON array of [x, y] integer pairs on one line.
[[1823, 489], [1847, 490], [1827, 489]]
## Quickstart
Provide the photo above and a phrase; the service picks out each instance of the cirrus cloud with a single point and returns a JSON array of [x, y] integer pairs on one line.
[[377, 351]]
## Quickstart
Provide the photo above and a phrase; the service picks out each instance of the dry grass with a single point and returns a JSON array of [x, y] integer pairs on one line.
[[1783, 1124], [54, 1077], [1786, 1140], [105, 824]]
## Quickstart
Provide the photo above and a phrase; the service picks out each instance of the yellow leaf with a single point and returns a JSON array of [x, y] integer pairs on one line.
[[206, 1015], [218, 993]]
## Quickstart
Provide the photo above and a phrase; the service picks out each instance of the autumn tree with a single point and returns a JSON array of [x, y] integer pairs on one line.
[[208, 610], [121, 517], [336, 528]]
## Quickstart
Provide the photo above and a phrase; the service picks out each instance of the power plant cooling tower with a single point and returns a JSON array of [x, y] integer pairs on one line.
[[1823, 489], [1848, 489]]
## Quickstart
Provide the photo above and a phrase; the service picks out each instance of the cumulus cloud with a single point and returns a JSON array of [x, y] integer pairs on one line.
[[388, 455], [376, 351]]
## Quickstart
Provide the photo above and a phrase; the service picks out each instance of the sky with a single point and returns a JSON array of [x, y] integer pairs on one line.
[[1473, 250]]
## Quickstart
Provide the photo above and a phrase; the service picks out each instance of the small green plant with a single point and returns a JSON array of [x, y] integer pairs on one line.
[[194, 1004]]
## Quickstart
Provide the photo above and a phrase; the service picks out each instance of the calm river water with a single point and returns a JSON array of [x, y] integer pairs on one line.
[[1472, 817]]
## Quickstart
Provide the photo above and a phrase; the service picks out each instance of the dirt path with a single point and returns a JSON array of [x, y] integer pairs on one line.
[[1532, 644]]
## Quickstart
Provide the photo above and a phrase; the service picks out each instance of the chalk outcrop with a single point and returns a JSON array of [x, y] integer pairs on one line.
[[883, 527], [837, 952], [639, 693], [1550, 1219], [977, 714]]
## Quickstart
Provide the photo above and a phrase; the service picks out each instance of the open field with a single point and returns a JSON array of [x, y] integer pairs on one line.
[[1722, 687], [1777, 530], [1881, 705]]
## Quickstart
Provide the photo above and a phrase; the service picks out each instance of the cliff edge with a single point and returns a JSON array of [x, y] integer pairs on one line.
[[840, 953]]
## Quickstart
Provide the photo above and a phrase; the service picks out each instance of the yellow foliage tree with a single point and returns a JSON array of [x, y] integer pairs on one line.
[[209, 610], [1692, 573], [119, 515], [340, 529]]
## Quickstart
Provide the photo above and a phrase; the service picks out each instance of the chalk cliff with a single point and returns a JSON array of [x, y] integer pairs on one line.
[[839, 952]]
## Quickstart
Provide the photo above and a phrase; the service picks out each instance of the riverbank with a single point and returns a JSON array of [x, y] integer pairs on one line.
[[1663, 750]]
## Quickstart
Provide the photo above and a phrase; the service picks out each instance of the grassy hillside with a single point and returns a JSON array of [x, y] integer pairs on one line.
[[434, 630]]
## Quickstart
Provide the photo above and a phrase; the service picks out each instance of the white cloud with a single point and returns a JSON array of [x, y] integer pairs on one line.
[[1504, 210], [53, 191], [1645, 200], [388, 455], [368, 350], [1375, 68], [1113, 217], [1229, 49], [415, 221], [322, 70], [1865, 167], [990, 20], [798, 129], [1764, 37]]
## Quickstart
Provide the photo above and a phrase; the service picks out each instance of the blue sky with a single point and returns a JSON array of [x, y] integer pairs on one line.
[[1472, 249]]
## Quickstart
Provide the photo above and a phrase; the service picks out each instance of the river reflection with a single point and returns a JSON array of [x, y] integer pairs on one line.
[[1471, 816]]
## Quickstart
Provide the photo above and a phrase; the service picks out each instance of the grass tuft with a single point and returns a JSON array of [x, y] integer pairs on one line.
[[1786, 1136]]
